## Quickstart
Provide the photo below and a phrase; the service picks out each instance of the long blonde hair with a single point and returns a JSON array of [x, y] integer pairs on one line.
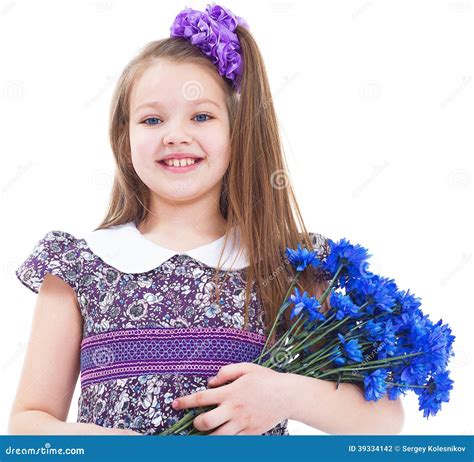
[[256, 193]]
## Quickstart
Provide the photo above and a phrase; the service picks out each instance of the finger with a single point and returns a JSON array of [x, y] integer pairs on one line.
[[229, 428], [198, 399], [230, 372], [213, 418]]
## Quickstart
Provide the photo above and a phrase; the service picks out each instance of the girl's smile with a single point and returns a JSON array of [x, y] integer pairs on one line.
[[180, 166]]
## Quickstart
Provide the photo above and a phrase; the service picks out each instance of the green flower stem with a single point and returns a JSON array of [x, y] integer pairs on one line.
[[182, 424], [282, 339], [331, 345], [320, 366], [321, 301], [318, 327], [331, 285], [406, 385], [280, 311], [312, 361], [388, 382], [319, 337], [316, 373], [185, 421], [371, 363], [358, 326]]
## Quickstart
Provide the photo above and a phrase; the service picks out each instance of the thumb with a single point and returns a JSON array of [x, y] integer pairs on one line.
[[229, 373]]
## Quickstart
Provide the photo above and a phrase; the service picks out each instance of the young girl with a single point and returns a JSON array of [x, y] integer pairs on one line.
[[182, 279]]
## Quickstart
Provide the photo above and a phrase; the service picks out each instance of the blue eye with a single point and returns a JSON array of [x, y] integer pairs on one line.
[[150, 118], [198, 115], [206, 115]]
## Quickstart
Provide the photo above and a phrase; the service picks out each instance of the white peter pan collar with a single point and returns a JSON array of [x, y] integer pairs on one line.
[[125, 248]]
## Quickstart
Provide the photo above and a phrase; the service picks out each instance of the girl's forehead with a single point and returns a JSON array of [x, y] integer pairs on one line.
[[177, 74], [176, 82]]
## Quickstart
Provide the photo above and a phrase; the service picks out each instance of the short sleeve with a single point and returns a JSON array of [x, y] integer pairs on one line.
[[56, 253], [322, 247]]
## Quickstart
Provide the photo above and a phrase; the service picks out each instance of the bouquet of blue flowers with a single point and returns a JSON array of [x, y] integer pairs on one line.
[[373, 334]]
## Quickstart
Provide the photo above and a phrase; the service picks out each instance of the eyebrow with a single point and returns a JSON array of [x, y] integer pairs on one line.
[[194, 102]]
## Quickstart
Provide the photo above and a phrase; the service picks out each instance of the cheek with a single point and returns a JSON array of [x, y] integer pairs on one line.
[[218, 149], [142, 143]]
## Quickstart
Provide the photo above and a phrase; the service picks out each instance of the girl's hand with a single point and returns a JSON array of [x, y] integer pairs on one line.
[[253, 403]]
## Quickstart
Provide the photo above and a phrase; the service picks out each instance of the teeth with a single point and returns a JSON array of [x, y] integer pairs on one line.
[[179, 162]]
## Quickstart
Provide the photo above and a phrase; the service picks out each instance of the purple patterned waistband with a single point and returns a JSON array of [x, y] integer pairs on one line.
[[196, 351]]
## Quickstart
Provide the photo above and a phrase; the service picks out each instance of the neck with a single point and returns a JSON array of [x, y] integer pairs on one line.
[[184, 221]]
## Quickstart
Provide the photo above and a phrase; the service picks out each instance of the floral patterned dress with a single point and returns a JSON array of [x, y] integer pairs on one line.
[[151, 331]]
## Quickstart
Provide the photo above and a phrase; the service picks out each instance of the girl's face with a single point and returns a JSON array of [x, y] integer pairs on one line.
[[179, 108]]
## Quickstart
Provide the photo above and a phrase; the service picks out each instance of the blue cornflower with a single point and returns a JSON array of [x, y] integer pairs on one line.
[[384, 334], [374, 330], [310, 304], [437, 346], [353, 257], [431, 398], [378, 292], [302, 257], [352, 348], [417, 333], [388, 343], [344, 306], [414, 325], [416, 371], [375, 385], [408, 302]]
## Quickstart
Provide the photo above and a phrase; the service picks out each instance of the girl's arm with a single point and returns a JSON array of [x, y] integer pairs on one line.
[[30, 422], [317, 403], [51, 367]]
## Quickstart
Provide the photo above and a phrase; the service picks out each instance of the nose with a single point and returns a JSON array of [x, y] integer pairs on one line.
[[176, 134]]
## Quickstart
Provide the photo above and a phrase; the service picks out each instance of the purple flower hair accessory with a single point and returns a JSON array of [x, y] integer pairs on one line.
[[212, 31]]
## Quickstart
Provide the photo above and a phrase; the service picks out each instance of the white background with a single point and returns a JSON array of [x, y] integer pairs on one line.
[[375, 101]]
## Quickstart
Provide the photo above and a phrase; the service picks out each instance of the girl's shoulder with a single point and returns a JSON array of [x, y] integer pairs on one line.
[[119, 249], [58, 253], [320, 243]]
